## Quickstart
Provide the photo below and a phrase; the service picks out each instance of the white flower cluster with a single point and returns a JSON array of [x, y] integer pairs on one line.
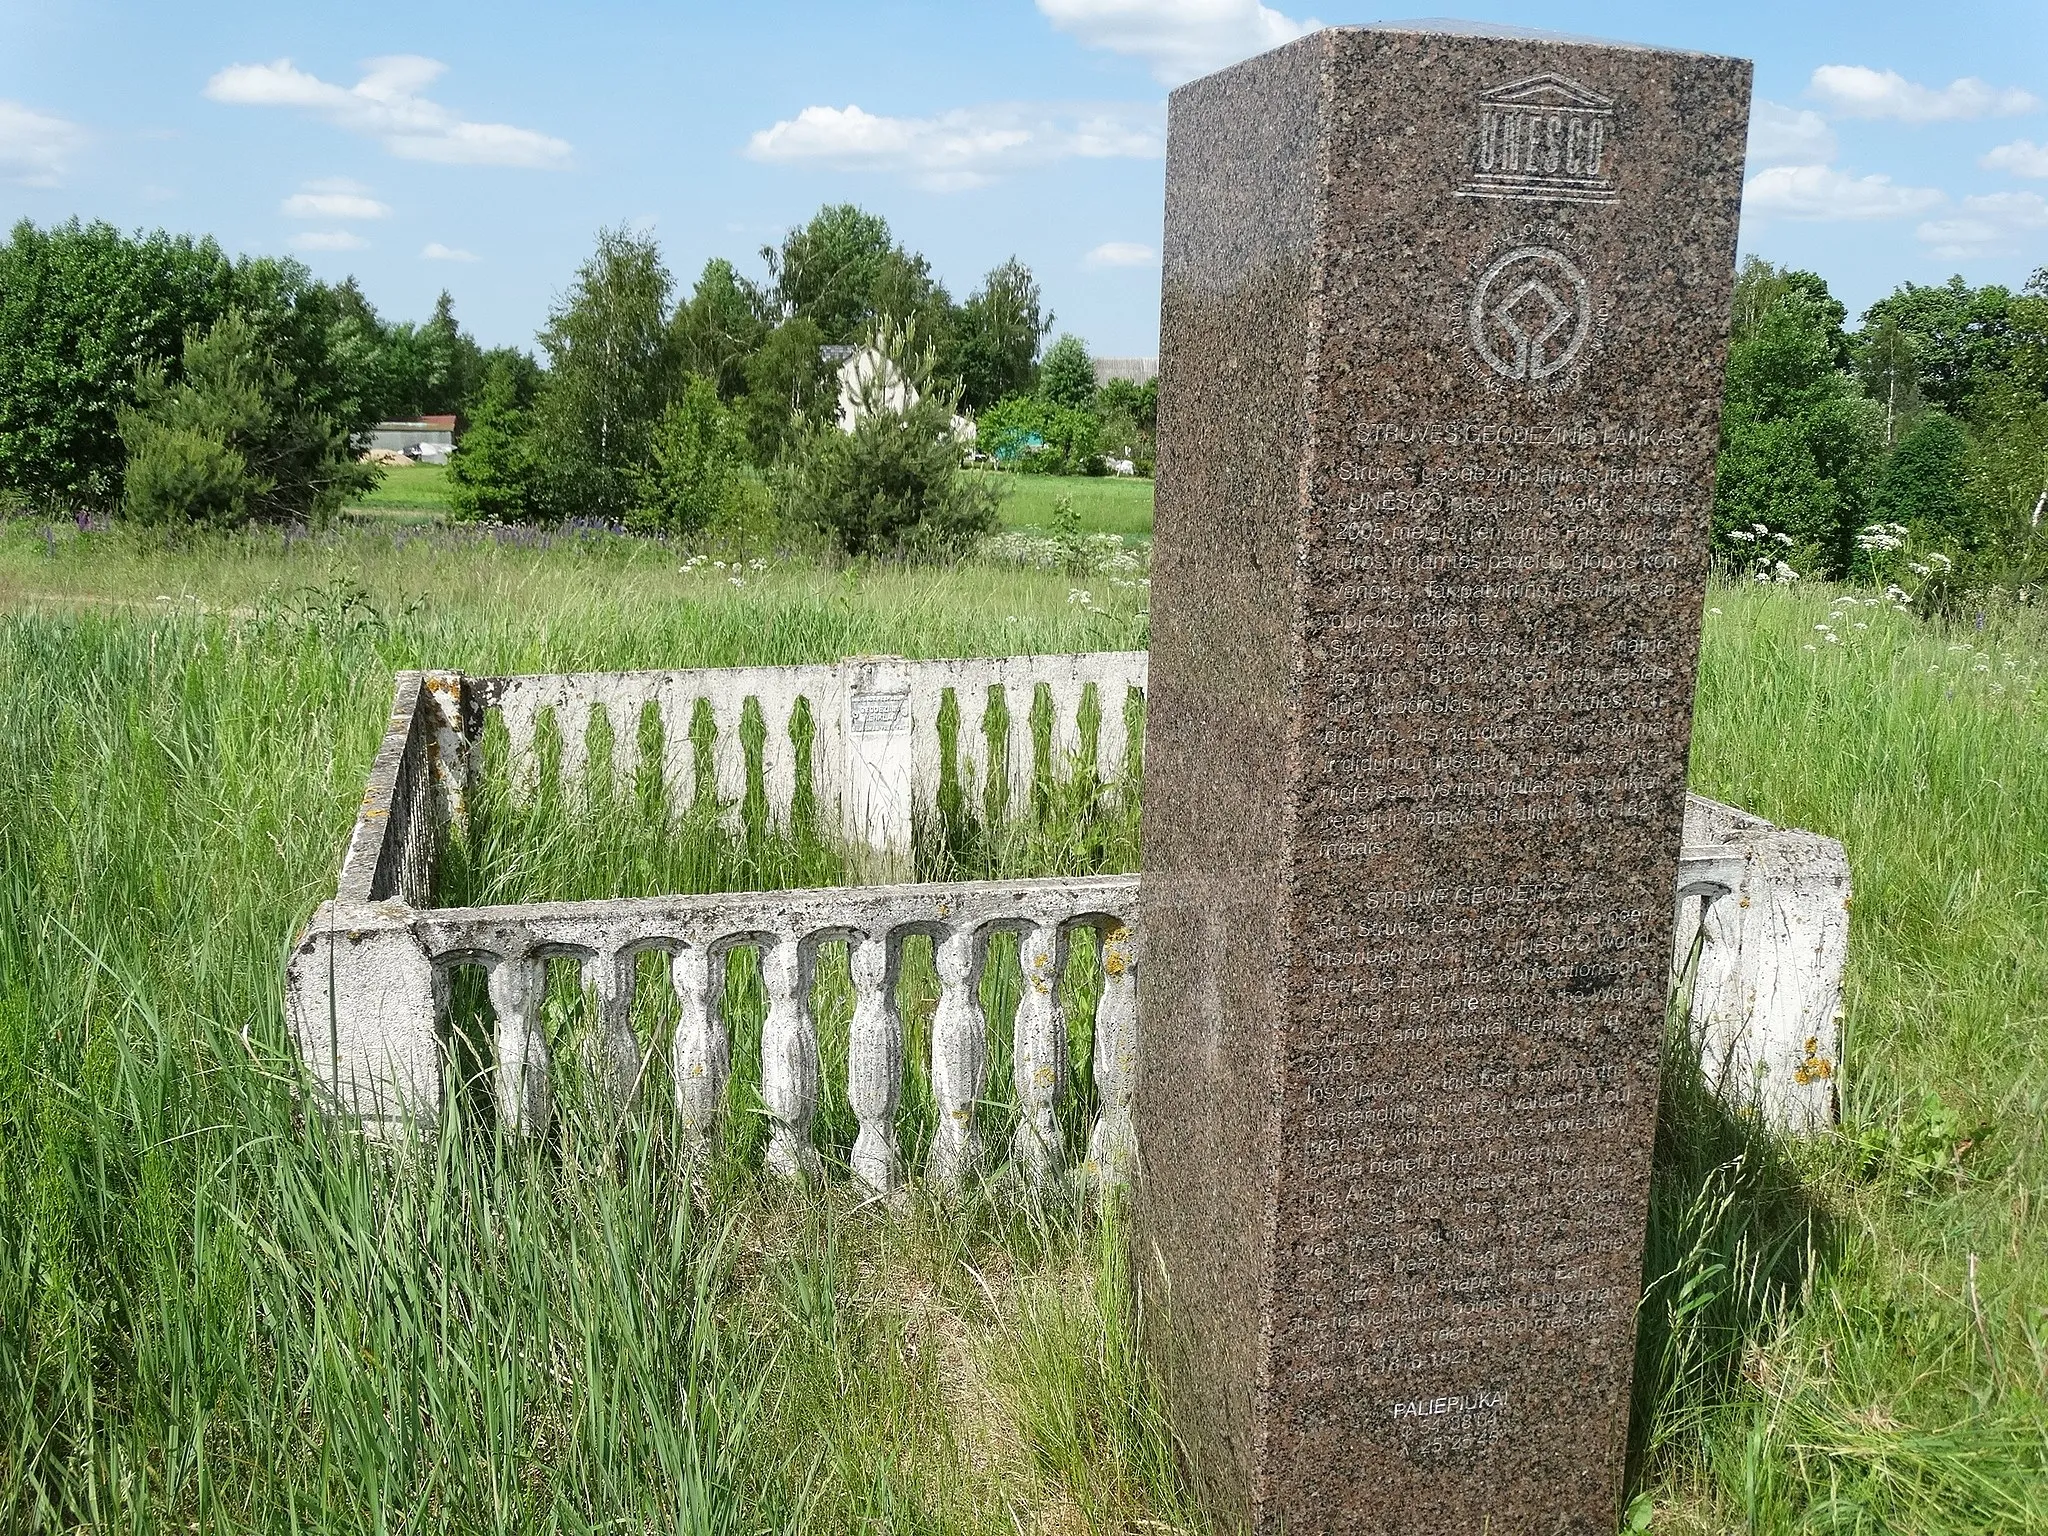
[[1095, 553], [1937, 564], [735, 570], [1881, 538], [1757, 533]]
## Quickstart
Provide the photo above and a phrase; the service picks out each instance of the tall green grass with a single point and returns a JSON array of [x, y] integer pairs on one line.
[[215, 1310], [1852, 1335]]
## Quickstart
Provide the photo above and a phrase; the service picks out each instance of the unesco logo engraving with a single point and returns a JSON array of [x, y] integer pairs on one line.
[[1545, 139], [1530, 315]]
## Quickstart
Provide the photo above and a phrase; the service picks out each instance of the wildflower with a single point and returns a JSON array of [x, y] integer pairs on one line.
[[1080, 597], [718, 565], [758, 565], [1822, 628], [1941, 560], [1861, 625], [1783, 573], [1740, 537], [1784, 539], [1918, 569], [1713, 610], [1833, 638], [738, 581], [1808, 647]]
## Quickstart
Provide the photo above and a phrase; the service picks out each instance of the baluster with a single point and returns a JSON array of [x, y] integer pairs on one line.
[[678, 705], [789, 1063], [522, 760], [1039, 1054], [778, 754], [970, 745], [626, 704], [1020, 695], [729, 750], [1112, 1143], [1109, 731], [525, 1098], [874, 1063], [703, 1052], [1065, 740], [959, 1060], [572, 727], [611, 1051]]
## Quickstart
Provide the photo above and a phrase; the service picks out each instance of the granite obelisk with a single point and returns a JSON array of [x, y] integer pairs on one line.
[[1443, 324]]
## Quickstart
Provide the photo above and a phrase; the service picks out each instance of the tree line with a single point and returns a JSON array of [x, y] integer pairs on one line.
[[155, 377], [1921, 438], [160, 353]]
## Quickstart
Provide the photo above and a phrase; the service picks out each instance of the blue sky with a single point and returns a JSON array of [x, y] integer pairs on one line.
[[479, 147]]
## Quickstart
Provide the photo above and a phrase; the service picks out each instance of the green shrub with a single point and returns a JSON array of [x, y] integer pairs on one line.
[[232, 442], [177, 476], [696, 470], [496, 475], [1035, 436], [894, 484], [1067, 376]]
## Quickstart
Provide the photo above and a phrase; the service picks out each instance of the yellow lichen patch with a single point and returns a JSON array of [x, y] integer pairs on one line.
[[1814, 1068]]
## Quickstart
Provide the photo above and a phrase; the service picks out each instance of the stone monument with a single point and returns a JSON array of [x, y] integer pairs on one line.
[[1442, 333]]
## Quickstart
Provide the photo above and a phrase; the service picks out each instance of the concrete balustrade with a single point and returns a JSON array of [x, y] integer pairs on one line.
[[409, 969], [871, 725], [1759, 930]]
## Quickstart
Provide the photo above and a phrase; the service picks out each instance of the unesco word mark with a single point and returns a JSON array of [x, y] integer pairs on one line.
[[1543, 139]]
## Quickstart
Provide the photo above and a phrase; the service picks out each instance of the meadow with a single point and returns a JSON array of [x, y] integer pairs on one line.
[[418, 492], [217, 1311]]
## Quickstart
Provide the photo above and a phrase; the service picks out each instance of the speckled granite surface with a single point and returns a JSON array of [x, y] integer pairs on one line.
[[1442, 334]]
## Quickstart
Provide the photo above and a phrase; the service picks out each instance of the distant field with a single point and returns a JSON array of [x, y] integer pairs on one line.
[[1107, 505], [419, 492], [407, 492]]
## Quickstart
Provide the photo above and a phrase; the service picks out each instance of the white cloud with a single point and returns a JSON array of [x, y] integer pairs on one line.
[[1991, 225], [35, 149], [386, 105], [334, 199], [969, 147], [1120, 253], [1820, 192], [1180, 39], [1855, 91], [1789, 136], [327, 240], [2023, 157], [434, 250]]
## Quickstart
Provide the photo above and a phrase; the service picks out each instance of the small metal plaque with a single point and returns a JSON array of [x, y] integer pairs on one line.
[[879, 714]]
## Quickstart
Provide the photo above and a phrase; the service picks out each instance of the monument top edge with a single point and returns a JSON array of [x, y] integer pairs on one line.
[[1454, 26]]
